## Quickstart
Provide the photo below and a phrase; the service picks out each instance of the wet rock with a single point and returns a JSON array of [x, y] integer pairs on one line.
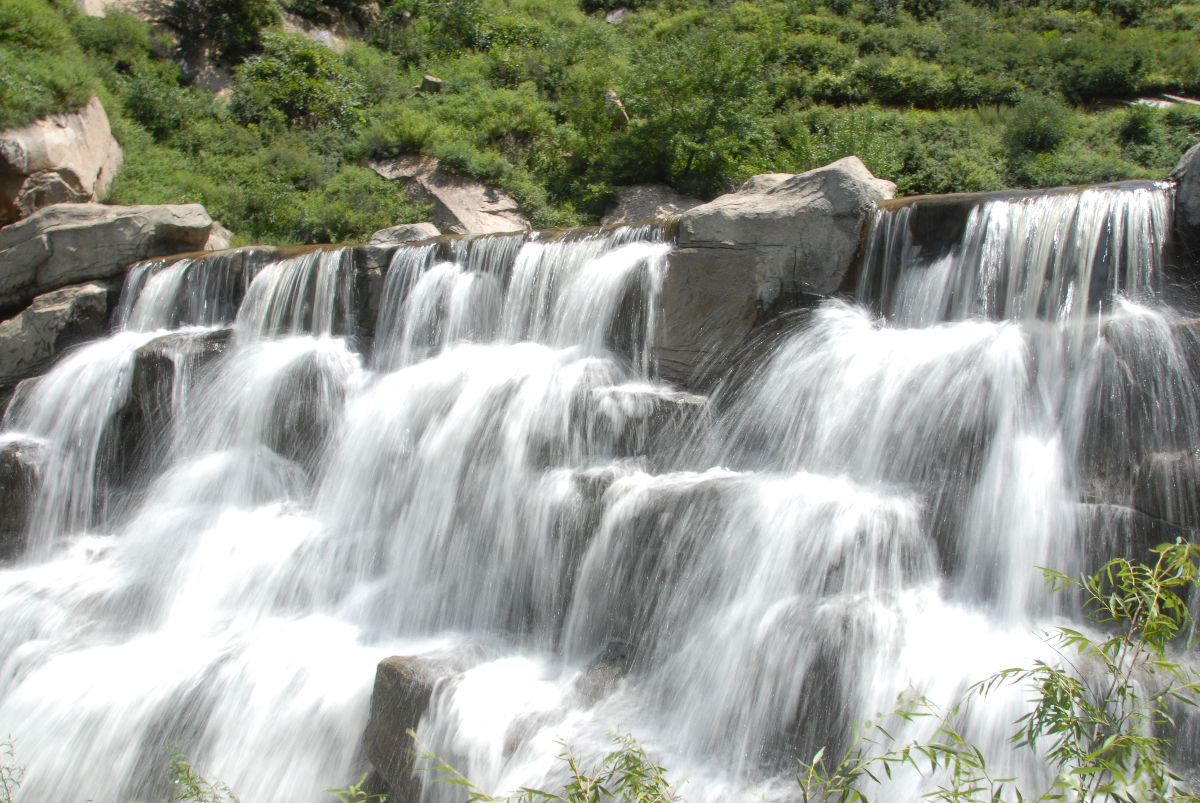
[[641, 420], [64, 158], [403, 688], [1168, 488], [54, 322], [404, 233], [73, 243], [744, 254], [19, 460], [1115, 530], [305, 410], [134, 446], [602, 674], [648, 202], [1186, 175]]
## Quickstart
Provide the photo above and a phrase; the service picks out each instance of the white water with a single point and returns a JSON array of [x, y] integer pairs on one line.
[[860, 512]]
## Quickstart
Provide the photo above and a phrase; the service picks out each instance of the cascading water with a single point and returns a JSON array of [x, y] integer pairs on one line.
[[504, 479]]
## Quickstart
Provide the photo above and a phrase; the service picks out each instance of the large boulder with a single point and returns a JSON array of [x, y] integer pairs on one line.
[[53, 322], [64, 158], [758, 251], [638, 202], [72, 243], [1186, 176]]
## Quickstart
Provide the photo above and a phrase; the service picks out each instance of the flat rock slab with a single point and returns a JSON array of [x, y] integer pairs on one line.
[[71, 243]]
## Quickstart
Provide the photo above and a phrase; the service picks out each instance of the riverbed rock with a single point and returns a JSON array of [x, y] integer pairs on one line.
[[404, 233], [63, 158], [19, 459], [640, 420], [72, 243], [1186, 175], [54, 322], [753, 253], [648, 202]]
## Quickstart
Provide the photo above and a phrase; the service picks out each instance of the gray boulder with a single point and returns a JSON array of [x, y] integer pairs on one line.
[[404, 233], [757, 251], [647, 202], [52, 323], [72, 243], [1186, 176], [64, 158]]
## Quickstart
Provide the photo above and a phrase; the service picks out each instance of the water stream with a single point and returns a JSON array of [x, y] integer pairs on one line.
[[502, 477]]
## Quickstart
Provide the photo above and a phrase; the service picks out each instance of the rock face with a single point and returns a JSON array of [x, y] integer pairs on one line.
[[52, 323], [1186, 175], [19, 460], [460, 205], [756, 251], [404, 233], [71, 243], [65, 158], [647, 202]]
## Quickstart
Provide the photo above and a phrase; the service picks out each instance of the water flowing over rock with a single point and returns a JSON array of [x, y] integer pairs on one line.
[[454, 486], [72, 243], [747, 253], [65, 158]]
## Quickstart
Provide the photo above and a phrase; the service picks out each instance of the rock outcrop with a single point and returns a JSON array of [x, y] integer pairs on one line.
[[72, 243], [756, 251], [460, 205], [647, 202], [64, 158], [52, 323], [404, 233], [1186, 175]]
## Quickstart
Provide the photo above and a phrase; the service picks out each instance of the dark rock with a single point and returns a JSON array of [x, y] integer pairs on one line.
[[1186, 176], [640, 420], [19, 460], [431, 83], [1168, 488], [135, 444]]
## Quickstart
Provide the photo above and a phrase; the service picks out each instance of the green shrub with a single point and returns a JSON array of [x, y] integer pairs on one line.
[[42, 69], [351, 205], [296, 81], [232, 28], [1038, 123]]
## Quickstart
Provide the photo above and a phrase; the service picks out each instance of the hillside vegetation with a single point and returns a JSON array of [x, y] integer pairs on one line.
[[548, 100]]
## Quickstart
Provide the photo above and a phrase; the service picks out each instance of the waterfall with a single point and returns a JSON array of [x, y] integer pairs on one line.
[[499, 475]]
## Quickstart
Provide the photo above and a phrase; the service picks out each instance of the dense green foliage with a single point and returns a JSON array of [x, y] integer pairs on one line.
[[551, 102]]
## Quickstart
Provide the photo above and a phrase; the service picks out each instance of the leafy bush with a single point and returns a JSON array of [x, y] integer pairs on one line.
[[42, 69], [232, 28], [298, 82], [1038, 123]]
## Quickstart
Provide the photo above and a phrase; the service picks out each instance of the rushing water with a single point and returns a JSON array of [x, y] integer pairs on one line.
[[502, 477]]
